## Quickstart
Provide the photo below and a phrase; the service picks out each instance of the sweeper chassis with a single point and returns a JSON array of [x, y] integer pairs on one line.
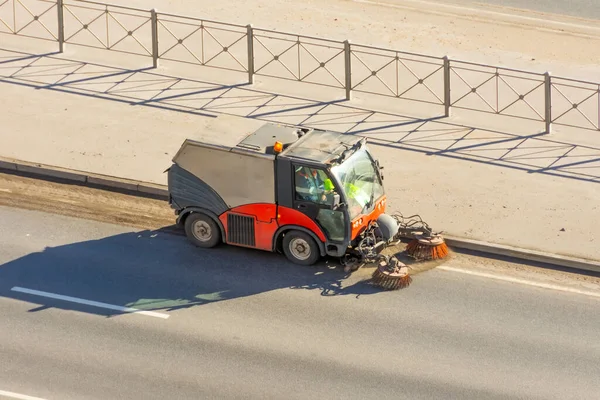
[[305, 192]]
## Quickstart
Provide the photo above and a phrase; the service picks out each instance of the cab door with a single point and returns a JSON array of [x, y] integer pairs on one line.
[[313, 196]]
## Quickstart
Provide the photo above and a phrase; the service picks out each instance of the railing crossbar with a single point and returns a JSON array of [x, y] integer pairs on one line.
[[106, 5], [299, 41], [499, 68], [494, 72], [341, 43], [396, 52], [162, 14]]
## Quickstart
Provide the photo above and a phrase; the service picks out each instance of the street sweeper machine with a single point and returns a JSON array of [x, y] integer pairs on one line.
[[299, 191]]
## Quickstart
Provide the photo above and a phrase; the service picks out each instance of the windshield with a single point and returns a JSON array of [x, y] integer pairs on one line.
[[360, 181]]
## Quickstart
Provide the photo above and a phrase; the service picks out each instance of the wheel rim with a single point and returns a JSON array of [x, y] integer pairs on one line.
[[300, 249], [202, 231]]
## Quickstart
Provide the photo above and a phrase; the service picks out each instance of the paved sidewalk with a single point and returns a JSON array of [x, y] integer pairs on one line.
[[518, 188], [495, 35]]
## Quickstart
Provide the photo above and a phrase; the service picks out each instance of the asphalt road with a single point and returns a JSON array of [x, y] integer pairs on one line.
[[588, 9], [574, 8], [246, 324]]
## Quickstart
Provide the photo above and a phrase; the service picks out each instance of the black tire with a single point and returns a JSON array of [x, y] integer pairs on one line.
[[202, 230], [300, 248]]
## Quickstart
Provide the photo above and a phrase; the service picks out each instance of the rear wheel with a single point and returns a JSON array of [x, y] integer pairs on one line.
[[300, 248], [202, 230]]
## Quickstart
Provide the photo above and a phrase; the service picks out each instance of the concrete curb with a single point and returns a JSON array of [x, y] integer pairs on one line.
[[147, 189], [523, 254]]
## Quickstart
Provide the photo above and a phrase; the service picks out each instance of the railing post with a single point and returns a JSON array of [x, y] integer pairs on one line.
[[447, 100], [548, 102], [598, 107], [250, 40], [61, 25], [154, 27], [348, 69]]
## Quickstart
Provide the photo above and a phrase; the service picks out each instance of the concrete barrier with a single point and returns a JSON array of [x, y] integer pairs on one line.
[[146, 189]]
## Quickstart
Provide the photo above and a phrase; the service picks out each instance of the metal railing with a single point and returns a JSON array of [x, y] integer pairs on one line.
[[502, 91], [576, 103], [36, 19], [397, 74], [91, 24], [300, 58], [201, 42], [342, 65]]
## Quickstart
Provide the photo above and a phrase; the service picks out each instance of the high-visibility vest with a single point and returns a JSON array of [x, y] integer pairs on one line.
[[351, 189]]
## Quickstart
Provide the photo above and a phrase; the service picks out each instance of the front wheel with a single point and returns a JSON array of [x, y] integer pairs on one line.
[[300, 248], [202, 230]]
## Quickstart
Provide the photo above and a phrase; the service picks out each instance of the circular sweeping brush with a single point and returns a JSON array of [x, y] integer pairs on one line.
[[425, 244], [427, 247], [392, 275]]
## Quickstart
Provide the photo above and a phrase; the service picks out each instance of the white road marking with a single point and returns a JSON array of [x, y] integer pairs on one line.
[[13, 395], [89, 302], [521, 281]]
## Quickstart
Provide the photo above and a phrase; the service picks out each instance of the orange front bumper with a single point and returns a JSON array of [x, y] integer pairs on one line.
[[361, 222]]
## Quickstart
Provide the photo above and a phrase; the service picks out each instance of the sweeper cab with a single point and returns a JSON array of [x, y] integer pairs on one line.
[[305, 192]]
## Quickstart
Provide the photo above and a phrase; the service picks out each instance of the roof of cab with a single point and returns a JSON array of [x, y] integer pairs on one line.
[[259, 137], [320, 146]]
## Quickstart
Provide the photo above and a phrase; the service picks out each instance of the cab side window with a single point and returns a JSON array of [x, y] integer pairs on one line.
[[312, 184]]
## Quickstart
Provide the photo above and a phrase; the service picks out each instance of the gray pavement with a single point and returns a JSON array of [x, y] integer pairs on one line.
[[247, 324], [510, 187]]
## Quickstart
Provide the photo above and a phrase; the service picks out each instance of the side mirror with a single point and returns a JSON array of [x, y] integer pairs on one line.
[[335, 201]]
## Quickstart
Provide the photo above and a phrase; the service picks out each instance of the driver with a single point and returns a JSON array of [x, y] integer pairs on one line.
[[310, 186]]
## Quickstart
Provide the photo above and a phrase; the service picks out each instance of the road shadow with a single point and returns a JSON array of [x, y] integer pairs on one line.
[[534, 153], [159, 271]]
